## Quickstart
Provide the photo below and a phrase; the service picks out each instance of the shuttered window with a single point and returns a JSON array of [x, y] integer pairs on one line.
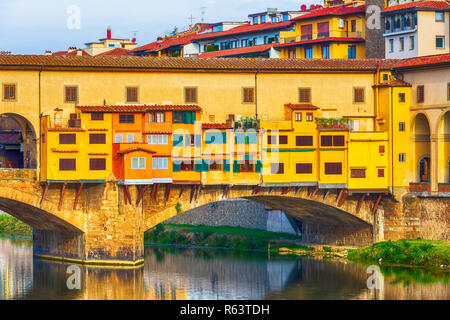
[[298, 116], [71, 94], [420, 94], [277, 168], [271, 139], [97, 164], [67, 138], [338, 141], [190, 95], [304, 141], [358, 173], [283, 139], [9, 92], [126, 118], [157, 117], [302, 168], [326, 141], [380, 173], [97, 116], [333, 168], [97, 138], [132, 94], [304, 95], [67, 164], [249, 95], [358, 95]]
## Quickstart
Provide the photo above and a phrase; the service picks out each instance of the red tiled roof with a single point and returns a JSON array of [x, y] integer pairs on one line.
[[71, 53], [331, 39], [332, 11], [423, 61], [138, 108], [158, 46], [246, 28], [419, 5], [146, 64], [301, 106], [237, 51], [116, 52], [130, 150], [216, 126]]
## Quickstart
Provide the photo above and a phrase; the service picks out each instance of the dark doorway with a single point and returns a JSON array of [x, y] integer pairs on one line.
[[424, 170]]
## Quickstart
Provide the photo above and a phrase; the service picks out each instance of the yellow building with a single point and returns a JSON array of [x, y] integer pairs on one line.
[[333, 32]]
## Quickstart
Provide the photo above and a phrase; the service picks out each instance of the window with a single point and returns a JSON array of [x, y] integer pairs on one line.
[[263, 19], [163, 163], [411, 43], [358, 173], [190, 140], [354, 125], [67, 164], [132, 94], [303, 168], [271, 139], [309, 117], [190, 95], [9, 92], [325, 52], [401, 97], [440, 40], [97, 116], [126, 118], [358, 95], [66, 138], [439, 16], [177, 116], [152, 139], [71, 94], [420, 94], [401, 126], [308, 53], [138, 163], [401, 42], [155, 163], [292, 53], [157, 117], [391, 45], [304, 141], [277, 168], [118, 138], [215, 165], [97, 138], [351, 51], [130, 137], [402, 157], [333, 168], [255, 20], [381, 149], [163, 139], [186, 166], [332, 141], [353, 25], [338, 141], [97, 164], [298, 116], [188, 117], [246, 166], [380, 173], [248, 95], [283, 139], [304, 95]]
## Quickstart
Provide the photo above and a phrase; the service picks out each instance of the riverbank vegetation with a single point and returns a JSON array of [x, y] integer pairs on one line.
[[406, 252], [12, 225], [220, 237]]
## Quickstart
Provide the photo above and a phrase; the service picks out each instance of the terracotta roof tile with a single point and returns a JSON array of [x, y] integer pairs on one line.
[[130, 150], [145, 64], [423, 61], [138, 108], [237, 51], [419, 5], [301, 106], [116, 52], [216, 126], [341, 10], [330, 39]]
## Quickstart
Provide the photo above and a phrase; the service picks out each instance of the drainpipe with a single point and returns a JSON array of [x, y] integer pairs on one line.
[[256, 93], [392, 138], [377, 99], [40, 127]]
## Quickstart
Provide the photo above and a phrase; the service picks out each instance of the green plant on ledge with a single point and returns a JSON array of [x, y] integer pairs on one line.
[[246, 123], [179, 207], [328, 122]]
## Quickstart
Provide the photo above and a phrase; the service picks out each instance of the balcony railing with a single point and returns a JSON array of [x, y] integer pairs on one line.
[[64, 123], [323, 35], [444, 187], [419, 187]]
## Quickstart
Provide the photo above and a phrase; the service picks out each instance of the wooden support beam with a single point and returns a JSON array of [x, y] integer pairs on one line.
[[61, 196], [270, 190], [360, 203], [192, 193], [44, 193], [285, 190], [197, 192], [325, 195], [125, 198], [297, 190], [80, 187], [167, 193], [256, 190], [127, 195], [344, 197], [375, 208], [315, 189], [339, 196], [142, 190], [181, 191], [155, 195]]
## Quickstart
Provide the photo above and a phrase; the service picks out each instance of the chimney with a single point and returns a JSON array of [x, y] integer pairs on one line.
[[71, 49], [108, 33], [79, 52], [48, 53]]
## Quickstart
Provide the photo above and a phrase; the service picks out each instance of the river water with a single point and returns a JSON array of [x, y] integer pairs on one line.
[[175, 273]]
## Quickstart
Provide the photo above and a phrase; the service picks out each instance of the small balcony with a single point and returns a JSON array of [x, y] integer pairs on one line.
[[58, 124], [322, 35], [419, 187], [444, 187]]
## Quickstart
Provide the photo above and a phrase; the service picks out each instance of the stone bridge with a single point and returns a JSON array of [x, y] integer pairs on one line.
[[105, 223]]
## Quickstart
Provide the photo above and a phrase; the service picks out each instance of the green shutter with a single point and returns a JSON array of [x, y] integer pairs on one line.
[[193, 117], [185, 117], [224, 137], [258, 166], [177, 140], [239, 138], [176, 165], [198, 165], [198, 140], [236, 166], [248, 157], [252, 138], [205, 165], [226, 165]]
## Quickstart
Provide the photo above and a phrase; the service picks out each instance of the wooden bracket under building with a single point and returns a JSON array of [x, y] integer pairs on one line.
[[375, 207], [61, 196], [297, 190], [80, 187], [285, 191], [142, 190], [181, 192], [155, 194], [256, 190], [360, 203], [344, 197], [44, 193], [192, 193], [167, 193], [338, 200], [127, 195]]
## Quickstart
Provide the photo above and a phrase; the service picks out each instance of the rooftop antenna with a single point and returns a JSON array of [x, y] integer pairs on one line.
[[192, 19], [203, 10]]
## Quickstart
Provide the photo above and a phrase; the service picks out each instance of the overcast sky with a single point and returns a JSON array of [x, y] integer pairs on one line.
[[33, 26]]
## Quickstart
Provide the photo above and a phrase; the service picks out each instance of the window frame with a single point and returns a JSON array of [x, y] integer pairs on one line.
[[304, 89], [443, 42], [127, 117], [8, 99], [299, 165], [102, 118], [420, 93], [338, 172], [186, 95], [139, 159], [76, 87], [363, 94], [127, 96], [73, 160], [245, 95], [92, 160]]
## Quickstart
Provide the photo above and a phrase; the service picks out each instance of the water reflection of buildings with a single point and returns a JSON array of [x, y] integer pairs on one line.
[[16, 269]]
